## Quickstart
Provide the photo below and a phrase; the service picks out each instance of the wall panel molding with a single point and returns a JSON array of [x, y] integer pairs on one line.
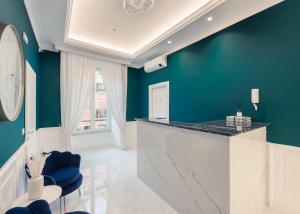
[[13, 178], [284, 178]]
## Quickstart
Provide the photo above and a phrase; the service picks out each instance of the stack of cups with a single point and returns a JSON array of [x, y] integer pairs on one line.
[[238, 121], [230, 120], [243, 121]]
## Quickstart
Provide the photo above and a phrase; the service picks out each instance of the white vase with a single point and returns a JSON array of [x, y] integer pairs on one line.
[[35, 187]]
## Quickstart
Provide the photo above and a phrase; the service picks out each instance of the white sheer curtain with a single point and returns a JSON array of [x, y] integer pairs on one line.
[[115, 82], [76, 79]]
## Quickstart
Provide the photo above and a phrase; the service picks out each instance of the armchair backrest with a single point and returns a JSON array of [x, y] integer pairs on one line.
[[58, 160]]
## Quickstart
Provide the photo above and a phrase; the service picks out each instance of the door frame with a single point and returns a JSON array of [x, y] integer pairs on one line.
[[29, 69], [155, 86]]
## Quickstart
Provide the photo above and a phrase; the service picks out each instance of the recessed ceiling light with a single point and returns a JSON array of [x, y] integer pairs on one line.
[[210, 19], [169, 42]]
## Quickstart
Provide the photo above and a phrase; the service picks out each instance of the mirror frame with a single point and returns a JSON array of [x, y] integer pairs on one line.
[[3, 115]]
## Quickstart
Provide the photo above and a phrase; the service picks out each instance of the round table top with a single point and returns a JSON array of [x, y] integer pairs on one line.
[[50, 194]]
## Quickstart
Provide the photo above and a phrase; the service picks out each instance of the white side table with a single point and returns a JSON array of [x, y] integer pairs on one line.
[[50, 194]]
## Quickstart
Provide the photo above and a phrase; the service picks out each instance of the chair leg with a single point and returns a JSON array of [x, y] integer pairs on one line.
[[79, 192], [65, 205], [60, 208]]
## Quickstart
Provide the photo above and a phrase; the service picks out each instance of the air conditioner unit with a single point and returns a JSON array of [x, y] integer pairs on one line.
[[156, 64]]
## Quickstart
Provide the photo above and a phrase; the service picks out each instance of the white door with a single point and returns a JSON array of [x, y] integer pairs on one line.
[[159, 101], [30, 108]]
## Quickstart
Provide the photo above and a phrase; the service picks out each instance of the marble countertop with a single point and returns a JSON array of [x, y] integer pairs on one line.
[[215, 127]]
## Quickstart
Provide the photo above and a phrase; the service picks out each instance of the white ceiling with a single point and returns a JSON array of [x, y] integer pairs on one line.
[[93, 22], [86, 26]]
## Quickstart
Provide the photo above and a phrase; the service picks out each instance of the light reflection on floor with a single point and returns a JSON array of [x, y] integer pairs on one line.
[[111, 186]]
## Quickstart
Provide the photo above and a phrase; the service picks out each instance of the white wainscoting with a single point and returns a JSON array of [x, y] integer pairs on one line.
[[101, 139], [91, 141], [285, 178], [131, 135], [13, 179], [51, 139]]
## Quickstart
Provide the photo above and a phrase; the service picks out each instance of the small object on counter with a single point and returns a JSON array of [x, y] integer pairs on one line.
[[239, 128], [230, 120], [243, 121], [239, 114], [239, 121]]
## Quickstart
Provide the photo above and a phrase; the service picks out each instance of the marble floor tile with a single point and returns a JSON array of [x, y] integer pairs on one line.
[[268, 210], [111, 186]]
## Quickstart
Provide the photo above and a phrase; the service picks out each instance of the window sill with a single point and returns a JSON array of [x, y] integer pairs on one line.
[[92, 131]]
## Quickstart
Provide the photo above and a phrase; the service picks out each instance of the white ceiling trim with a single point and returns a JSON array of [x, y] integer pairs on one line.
[[68, 49], [98, 49], [34, 18], [194, 16]]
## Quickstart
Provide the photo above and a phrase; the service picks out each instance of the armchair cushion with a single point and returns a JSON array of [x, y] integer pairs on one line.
[[71, 188], [66, 176]]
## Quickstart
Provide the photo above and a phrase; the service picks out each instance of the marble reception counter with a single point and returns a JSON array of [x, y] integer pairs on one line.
[[204, 168]]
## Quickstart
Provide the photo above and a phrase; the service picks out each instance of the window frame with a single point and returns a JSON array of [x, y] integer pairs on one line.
[[93, 130]]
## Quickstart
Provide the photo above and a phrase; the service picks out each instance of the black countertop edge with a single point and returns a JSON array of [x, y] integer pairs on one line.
[[215, 127]]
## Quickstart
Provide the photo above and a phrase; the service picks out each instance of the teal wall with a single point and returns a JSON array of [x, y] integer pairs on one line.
[[132, 94], [14, 12], [50, 89], [210, 76]]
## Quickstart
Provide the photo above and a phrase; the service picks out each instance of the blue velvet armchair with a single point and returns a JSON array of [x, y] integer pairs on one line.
[[37, 207], [62, 169]]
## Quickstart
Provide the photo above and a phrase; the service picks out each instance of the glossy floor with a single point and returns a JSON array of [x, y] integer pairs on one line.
[[111, 186]]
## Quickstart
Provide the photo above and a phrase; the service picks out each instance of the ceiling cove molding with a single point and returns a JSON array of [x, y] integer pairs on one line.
[[75, 50], [68, 18], [34, 17], [194, 16], [98, 49]]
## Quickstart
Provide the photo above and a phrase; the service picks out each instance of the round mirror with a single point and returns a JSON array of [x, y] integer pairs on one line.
[[11, 73]]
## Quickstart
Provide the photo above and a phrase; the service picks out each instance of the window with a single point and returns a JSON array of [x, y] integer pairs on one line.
[[95, 116]]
